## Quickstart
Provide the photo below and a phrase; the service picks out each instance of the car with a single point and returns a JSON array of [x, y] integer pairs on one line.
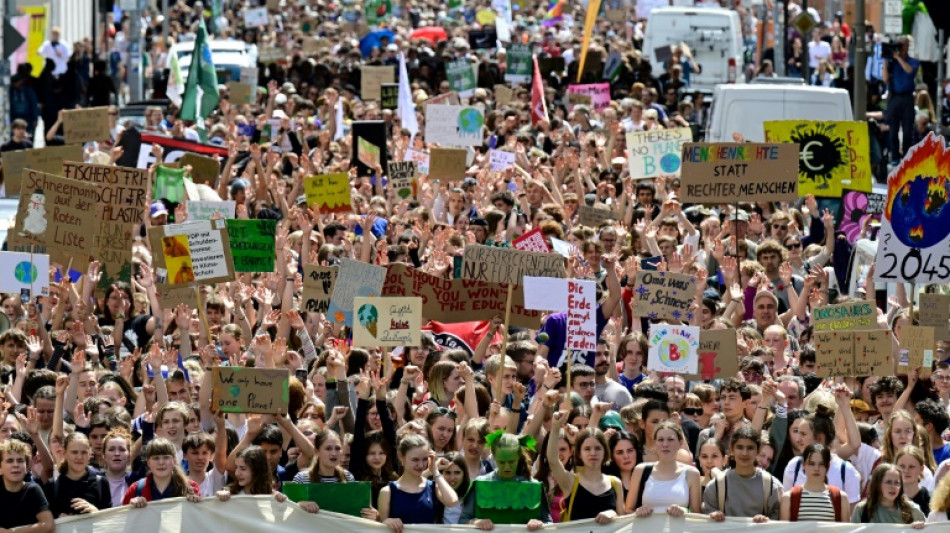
[[228, 57]]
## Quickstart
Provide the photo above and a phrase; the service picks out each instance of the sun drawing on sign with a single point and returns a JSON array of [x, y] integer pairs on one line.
[[821, 152]]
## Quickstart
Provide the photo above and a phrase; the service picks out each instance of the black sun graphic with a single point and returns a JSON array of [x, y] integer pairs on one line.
[[821, 152]]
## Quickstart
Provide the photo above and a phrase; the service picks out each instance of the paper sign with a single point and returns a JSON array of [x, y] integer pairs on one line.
[[240, 93], [505, 265], [935, 312], [616, 15], [594, 216], [599, 93], [402, 178], [271, 54], [850, 316], [373, 132], [656, 153], [718, 355], [205, 210], [674, 348], [503, 95], [329, 192], [857, 209], [582, 315], [387, 321], [421, 159], [249, 75], [171, 296], [873, 353], [915, 340], [89, 124], [834, 353], [255, 17], [576, 99], [501, 160], [545, 294], [355, 279], [447, 164], [454, 125], [461, 77], [59, 213], [24, 274], [458, 300], [252, 244], [318, 284], [196, 251], [533, 241], [563, 248], [240, 389], [48, 160], [450, 97], [732, 172], [520, 64], [367, 152], [372, 78], [389, 96], [345, 498], [664, 295]]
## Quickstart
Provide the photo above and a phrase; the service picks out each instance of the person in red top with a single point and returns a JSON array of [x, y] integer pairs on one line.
[[166, 479]]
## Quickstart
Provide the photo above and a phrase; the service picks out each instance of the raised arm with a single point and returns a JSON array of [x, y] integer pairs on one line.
[[563, 478]]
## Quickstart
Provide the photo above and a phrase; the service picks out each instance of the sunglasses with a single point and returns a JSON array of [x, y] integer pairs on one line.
[[443, 411], [794, 245], [693, 411]]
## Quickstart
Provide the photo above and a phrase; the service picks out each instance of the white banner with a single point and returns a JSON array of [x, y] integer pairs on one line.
[[262, 514]]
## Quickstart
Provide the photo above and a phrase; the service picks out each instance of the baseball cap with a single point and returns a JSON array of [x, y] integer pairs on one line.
[[157, 209], [740, 215], [861, 406], [611, 420]]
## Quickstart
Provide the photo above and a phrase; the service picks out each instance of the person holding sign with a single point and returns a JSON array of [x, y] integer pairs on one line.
[[411, 498]]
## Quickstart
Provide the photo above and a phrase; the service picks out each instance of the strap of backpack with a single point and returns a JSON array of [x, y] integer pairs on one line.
[[798, 468], [570, 506], [796, 502], [836, 502], [766, 491], [140, 487], [644, 476]]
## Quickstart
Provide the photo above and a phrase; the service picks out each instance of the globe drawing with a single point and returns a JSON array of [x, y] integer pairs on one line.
[[470, 121], [25, 272]]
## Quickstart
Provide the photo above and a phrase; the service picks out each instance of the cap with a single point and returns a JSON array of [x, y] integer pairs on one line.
[[478, 222], [280, 99], [861, 406], [157, 209], [302, 199], [618, 161], [740, 215], [611, 419], [765, 293], [288, 88], [711, 294]]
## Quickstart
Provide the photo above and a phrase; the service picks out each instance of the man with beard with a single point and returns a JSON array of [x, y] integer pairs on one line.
[[606, 389]]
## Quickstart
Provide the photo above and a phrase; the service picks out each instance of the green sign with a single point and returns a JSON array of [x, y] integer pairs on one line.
[[520, 64], [377, 11], [252, 244], [461, 76], [346, 498]]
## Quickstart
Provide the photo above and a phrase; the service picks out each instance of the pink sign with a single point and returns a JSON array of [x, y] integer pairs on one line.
[[599, 94], [532, 241], [581, 319]]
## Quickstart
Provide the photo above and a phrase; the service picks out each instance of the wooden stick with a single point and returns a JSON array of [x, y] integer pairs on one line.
[[499, 379], [202, 315]]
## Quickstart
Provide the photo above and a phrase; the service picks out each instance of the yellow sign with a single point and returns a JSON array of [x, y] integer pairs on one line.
[[35, 36], [329, 192], [832, 155]]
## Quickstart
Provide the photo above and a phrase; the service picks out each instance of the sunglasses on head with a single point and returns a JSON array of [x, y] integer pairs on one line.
[[693, 411], [443, 411]]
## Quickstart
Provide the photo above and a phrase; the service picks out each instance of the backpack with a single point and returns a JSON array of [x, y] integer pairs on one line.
[[796, 494], [142, 489], [767, 490]]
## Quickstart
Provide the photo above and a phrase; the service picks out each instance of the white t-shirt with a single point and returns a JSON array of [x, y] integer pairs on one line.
[[59, 52], [817, 52], [214, 481]]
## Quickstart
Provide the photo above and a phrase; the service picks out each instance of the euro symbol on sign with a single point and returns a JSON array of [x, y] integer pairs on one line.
[[807, 155]]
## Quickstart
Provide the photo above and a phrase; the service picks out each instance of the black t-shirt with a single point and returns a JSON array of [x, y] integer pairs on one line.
[[12, 145], [20, 508], [134, 331], [92, 488]]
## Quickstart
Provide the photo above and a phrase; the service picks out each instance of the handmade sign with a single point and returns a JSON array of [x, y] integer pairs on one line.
[[137, 149], [329, 192], [450, 97], [674, 348], [389, 96], [367, 152], [834, 353], [545, 294], [48, 160], [61, 214], [850, 316], [373, 132], [206, 210], [241, 389], [255, 17], [718, 355], [508, 502], [372, 78], [664, 295], [454, 125], [505, 265], [657, 152], [171, 296], [88, 124], [575, 99], [501, 160], [447, 164], [935, 312], [503, 95], [240, 93], [355, 278], [593, 217], [458, 300], [318, 284], [204, 169], [461, 77], [858, 208], [421, 159], [375, 11], [520, 63], [24, 274], [252, 244], [533, 241], [345, 498], [732, 172], [918, 346], [834, 154], [599, 94], [387, 321], [403, 178], [198, 251], [873, 353], [271, 54], [581, 315], [914, 241]]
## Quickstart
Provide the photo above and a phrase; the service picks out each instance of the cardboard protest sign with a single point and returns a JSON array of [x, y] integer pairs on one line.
[[329, 192], [24, 274], [421, 159], [593, 217], [674, 348], [663, 54], [826, 165], [206, 210], [255, 17], [505, 265], [61, 214], [198, 251], [171, 296], [367, 152], [850, 316], [240, 93], [458, 300], [575, 99], [657, 152], [389, 321], [918, 347], [345, 498], [318, 284], [834, 353], [250, 75], [533, 241], [501, 160], [389, 96], [935, 312], [372, 78], [454, 125], [374, 133], [137, 149], [241, 389], [857, 209], [914, 241], [520, 63], [873, 353], [403, 178], [252, 244], [271, 54], [355, 278], [599, 93], [89, 124], [447, 164], [664, 295], [718, 355], [616, 15], [732, 172], [581, 315], [503, 95], [461, 77], [48, 160]]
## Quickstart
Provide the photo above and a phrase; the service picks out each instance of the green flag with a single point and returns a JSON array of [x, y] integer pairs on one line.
[[201, 89]]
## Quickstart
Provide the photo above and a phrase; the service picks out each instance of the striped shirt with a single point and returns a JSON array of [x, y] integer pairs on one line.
[[816, 506]]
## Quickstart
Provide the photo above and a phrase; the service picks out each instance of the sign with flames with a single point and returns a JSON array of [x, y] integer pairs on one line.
[[914, 244]]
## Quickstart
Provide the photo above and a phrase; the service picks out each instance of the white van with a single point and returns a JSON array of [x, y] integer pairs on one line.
[[714, 36], [228, 56], [743, 108]]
